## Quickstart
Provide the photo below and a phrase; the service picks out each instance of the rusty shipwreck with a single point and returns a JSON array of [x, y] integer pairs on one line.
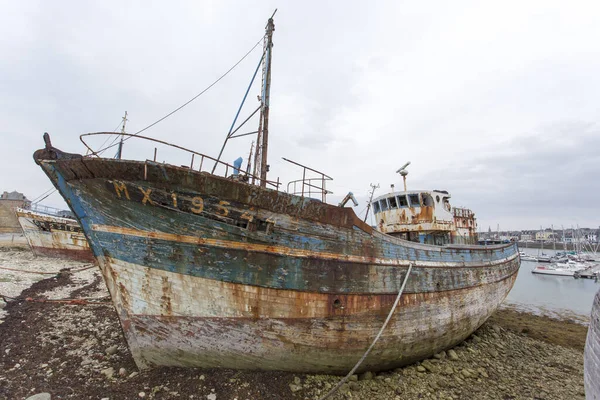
[[212, 266], [53, 235]]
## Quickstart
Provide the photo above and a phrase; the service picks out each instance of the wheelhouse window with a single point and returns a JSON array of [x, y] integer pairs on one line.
[[393, 203], [402, 202], [376, 208], [414, 200], [427, 200], [384, 205]]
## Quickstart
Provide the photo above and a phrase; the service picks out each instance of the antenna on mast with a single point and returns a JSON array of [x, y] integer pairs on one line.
[[119, 151], [373, 188], [402, 171]]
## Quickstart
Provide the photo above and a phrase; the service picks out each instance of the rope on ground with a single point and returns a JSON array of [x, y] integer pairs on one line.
[[30, 272], [83, 269], [340, 383], [48, 273], [79, 301], [82, 301]]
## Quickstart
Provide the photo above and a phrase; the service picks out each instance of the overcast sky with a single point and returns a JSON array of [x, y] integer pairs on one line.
[[496, 102]]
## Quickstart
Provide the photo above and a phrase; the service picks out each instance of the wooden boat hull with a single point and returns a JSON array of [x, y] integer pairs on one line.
[[209, 272], [591, 358], [54, 237]]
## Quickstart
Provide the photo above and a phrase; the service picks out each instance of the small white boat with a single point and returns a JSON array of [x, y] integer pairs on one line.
[[549, 270], [544, 258], [562, 269], [526, 257]]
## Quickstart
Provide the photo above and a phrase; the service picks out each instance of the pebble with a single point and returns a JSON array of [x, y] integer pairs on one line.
[[122, 371], [353, 378], [40, 396], [366, 376], [109, 372], [295, 388], [142, 394], [345, 388], [452, 355], [111, 350], [421, 368], [211, 396]]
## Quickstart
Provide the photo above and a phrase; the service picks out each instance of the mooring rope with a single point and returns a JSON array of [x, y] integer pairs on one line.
[[67, 300], [30, 272], [46, 272], [340, 383]]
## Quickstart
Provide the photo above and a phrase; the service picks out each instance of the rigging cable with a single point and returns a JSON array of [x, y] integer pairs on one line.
[[43, 194], [189, 101], [108, 136]]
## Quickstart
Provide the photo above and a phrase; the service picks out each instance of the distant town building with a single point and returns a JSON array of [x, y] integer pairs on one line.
[[544, 235], [8, 203]]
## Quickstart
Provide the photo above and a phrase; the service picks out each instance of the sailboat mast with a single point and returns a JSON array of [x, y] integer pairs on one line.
[[266, 94]]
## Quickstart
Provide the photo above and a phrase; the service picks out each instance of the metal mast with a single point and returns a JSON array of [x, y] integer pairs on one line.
[[263, 126], [122, 136], [373, 188]]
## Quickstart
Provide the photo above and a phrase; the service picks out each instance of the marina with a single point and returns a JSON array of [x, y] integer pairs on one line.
[[551, 295]]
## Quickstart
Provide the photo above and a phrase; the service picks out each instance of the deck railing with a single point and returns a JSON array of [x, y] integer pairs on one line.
[[196, 157], [309, 186]]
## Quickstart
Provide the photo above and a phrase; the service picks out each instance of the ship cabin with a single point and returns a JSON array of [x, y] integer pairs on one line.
[[424, 216]]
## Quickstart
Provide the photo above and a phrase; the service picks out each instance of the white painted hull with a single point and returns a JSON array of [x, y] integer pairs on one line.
[[209, 323], [550, 271], [54, 236]]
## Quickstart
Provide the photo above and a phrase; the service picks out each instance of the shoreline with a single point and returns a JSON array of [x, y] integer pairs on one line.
[[76, 350]]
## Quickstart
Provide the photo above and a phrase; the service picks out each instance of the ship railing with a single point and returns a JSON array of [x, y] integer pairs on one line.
[[202, 160], [56, 212], [308, 187]]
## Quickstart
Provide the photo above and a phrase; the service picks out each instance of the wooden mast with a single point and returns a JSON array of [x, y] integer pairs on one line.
[[263, 125]]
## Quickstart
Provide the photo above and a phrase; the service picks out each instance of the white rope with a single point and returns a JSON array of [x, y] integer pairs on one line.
[[332, 391]]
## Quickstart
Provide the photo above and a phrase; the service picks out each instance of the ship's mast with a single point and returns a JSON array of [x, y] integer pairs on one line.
[[263, 125], [119, 152]]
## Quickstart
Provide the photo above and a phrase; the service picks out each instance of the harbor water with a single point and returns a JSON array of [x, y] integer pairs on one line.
[[557, 296]]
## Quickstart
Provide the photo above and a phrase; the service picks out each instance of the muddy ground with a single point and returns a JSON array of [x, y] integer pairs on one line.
[[77, 351]]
